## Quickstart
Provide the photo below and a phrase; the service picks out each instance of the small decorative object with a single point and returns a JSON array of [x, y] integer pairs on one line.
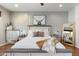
[[39, 20], [22, 33], [9, 26]]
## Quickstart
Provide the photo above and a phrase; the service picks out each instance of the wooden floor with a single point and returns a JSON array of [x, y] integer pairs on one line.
[[75, 51], [4, 48]]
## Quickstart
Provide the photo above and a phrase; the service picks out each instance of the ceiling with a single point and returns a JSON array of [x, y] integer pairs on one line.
[[37, 7]]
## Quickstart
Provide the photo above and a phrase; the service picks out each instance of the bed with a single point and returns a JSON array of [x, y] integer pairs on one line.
[[29, 43]]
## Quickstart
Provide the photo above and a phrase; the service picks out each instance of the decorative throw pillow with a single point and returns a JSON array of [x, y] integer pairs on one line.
[[41, 34], [38, 34], [48, 47], [35, 34], [54, 42], [40, 43]]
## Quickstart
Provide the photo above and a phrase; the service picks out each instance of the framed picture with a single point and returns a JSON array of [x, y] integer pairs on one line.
[[39, 20]]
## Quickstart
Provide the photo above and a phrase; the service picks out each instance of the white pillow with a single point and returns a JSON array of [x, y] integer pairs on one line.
[[60, 46], [30, 33], [46, 33]]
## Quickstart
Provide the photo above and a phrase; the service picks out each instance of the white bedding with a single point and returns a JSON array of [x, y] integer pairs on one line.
[[30, 42]]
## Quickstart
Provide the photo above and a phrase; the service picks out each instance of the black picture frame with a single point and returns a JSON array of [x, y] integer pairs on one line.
[[39, 23]]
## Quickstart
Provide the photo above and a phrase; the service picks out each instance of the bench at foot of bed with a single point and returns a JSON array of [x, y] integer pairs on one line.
[[37, 52]]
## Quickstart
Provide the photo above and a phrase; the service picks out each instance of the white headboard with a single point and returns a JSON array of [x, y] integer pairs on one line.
[[40, 27]]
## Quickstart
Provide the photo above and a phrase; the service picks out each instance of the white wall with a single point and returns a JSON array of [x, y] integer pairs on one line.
[[56, 19], [77, 25], [71, 15], [4, 19], [20, 21], [74, 17]]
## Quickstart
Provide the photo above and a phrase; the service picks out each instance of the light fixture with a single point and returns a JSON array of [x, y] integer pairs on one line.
[[42, 4], [16, 5], [60, 5]]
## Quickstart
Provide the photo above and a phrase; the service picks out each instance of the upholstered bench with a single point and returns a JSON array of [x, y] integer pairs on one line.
[[63, 52], [37, 52]]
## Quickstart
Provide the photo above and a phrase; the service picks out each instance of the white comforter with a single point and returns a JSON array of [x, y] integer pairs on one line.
[[30, 42]]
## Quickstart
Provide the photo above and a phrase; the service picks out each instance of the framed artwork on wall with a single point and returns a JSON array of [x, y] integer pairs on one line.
[[39, 20]]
